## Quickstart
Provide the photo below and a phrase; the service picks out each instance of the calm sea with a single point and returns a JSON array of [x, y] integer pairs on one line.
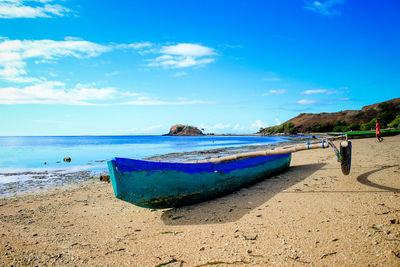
[[22, 159]]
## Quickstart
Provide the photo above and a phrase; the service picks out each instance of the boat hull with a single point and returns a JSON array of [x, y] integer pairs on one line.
[[160, 185]]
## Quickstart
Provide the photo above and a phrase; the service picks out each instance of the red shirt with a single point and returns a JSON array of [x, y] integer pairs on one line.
[[378, 128]]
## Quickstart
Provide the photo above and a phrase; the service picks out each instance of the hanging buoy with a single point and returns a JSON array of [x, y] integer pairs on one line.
[[345, 154]]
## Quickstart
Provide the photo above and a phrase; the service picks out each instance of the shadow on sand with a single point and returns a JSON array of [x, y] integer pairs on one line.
[[363, 179], [234, 206]]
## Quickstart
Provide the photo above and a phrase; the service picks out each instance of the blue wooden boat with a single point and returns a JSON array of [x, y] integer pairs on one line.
[[159, 185]]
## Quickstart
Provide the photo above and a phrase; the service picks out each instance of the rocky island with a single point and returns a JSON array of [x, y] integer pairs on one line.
[[184, 130]]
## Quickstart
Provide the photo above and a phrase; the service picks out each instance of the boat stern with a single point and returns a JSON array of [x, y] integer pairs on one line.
[[112, 170]]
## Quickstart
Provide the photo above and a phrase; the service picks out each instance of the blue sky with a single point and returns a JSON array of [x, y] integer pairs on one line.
[[71, 67]]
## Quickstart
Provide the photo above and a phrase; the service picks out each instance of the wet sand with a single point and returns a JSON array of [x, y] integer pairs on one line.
[[310, 215]]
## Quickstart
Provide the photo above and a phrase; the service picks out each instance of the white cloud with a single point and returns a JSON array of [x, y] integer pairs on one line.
[[259, 124], [325, 91], [275, 92], [31, 9], [278, 121], [224, 128], [15, 53], [271, 79], [328, 7], [140, 45], [185, 49], [213, 128], [175, 62], [182, 56], [135, 46], [179, 74], [316, 91], [306, 101], [21, 79], [52, 92]]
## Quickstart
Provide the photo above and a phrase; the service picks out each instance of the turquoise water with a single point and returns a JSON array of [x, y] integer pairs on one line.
[[23, 158]]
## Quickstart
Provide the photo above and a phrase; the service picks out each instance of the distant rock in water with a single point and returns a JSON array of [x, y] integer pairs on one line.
[[184, 130]]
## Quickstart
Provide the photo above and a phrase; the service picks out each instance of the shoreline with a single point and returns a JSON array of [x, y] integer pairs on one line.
[[309, 215], [217, 152], [39, 179]]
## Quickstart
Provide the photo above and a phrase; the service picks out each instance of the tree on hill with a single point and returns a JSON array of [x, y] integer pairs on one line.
[[387, 113]]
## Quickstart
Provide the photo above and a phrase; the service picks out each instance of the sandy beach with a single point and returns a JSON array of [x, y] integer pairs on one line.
[[310, 215]]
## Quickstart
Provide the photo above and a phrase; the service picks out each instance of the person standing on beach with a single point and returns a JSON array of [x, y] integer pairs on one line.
[[378, 131]]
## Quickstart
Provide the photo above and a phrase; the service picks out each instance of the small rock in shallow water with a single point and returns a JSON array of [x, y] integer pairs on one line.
[[67, 159]]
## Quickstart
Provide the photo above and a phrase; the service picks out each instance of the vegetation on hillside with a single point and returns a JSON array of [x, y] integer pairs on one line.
[[395, 123], [283, 128], [388, 116]]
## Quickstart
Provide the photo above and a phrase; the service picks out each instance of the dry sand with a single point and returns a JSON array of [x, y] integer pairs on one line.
[[310, 215]]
